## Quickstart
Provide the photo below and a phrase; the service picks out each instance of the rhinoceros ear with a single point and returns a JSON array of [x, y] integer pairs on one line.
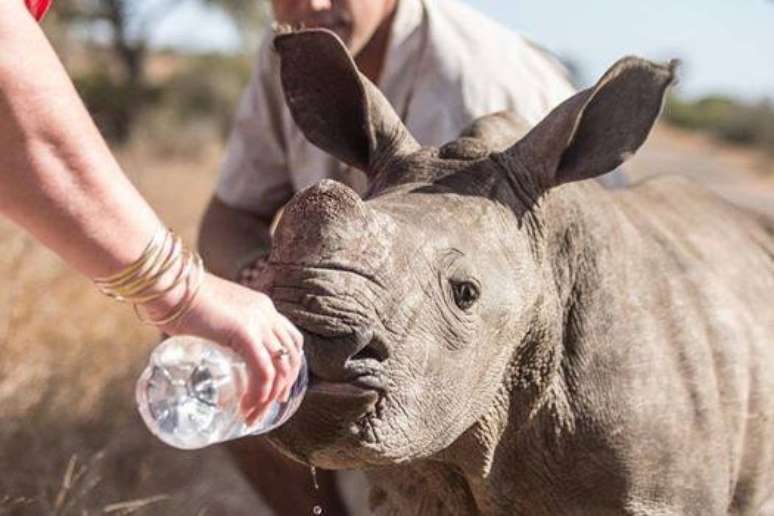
[[337, 108], [596, 130]]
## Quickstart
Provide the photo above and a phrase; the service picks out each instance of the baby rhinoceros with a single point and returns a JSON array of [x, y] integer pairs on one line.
[[489, 332]]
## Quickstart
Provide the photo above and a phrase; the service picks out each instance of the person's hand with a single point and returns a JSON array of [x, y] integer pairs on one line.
[[247, 322]]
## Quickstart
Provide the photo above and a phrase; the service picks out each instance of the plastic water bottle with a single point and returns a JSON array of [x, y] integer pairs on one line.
[[189, 395]]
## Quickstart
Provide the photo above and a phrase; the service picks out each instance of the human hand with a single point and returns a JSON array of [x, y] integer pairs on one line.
[[247, 322]]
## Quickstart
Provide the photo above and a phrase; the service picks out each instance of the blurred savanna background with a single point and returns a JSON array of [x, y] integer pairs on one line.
[[162, 78]]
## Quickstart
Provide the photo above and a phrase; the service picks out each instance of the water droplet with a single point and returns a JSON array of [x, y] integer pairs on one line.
[[314, 477], [316, 510]]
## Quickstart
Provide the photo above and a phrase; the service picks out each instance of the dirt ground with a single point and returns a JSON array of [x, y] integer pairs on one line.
[[71, 442], [741, 175]]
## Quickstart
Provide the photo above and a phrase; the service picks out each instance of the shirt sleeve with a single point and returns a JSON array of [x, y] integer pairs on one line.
[[254, 174]]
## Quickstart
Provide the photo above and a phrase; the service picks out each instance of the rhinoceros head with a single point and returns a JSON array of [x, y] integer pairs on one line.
[[421, 302]]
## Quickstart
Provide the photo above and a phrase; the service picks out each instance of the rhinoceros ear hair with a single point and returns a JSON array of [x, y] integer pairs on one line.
[[598, 129], [338, 109]]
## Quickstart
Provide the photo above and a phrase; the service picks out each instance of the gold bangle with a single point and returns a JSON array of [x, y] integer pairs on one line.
[[133, 291], [138, 283], [175, 282], [194, 272], [151, 248], [147, 274], [120, 285], [186, 305]]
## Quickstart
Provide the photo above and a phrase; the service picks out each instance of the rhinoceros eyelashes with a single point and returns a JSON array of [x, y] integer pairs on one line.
[[465, 294]]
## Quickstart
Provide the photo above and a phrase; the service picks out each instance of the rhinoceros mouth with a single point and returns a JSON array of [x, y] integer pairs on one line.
[[353, 389], [363, 370], [328, 316]]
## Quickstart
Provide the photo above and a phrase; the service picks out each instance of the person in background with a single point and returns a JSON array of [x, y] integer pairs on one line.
[[441, 64], [59, 181]]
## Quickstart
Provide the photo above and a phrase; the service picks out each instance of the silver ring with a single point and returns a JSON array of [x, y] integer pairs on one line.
[[282, 353]]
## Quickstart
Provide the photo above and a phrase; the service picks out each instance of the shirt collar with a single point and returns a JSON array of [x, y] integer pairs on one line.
[[402, 55]]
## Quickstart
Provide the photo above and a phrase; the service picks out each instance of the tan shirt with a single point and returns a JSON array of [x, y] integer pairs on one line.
[[446, 65]]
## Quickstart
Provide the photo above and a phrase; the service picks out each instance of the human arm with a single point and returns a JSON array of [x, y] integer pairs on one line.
[[230, 237], [59, 181], [57, 176]]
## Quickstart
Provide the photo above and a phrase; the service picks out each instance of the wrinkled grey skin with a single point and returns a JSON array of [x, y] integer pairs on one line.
[[489, 333]]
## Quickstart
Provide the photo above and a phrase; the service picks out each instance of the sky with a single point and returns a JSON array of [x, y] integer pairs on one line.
[[726, 46]]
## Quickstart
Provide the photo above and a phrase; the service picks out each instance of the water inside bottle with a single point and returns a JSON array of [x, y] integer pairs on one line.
[[192, 401], [189, 395]]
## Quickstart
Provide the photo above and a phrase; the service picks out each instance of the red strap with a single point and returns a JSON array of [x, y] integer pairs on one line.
[[38, 8]]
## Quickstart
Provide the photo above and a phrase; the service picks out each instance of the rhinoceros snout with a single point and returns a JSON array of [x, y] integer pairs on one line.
[[320, 221], [344, 358], [322, 277]]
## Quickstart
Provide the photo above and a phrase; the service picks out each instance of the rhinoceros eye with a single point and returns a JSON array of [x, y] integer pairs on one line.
[[465, 294]]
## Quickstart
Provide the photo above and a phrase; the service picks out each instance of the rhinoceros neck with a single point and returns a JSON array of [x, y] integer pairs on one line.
[[482, 475], [421, 488]]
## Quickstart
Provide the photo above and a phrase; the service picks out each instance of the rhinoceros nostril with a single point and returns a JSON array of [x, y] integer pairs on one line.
[[373, 349], [368, 352], [361, 338], [342, 357]]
